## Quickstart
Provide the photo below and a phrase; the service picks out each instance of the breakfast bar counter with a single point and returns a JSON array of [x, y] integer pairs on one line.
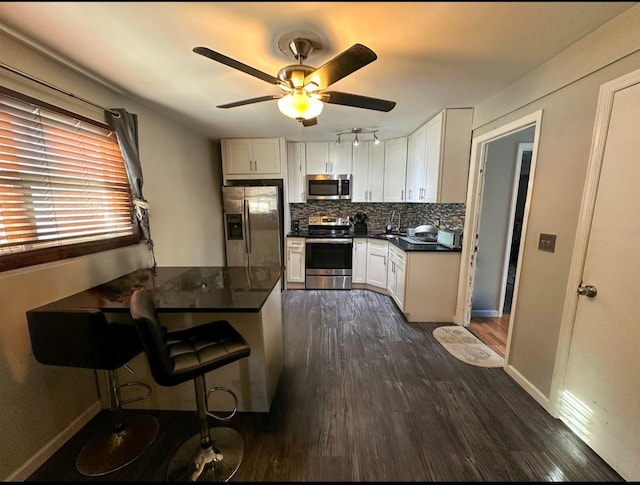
[[248, 297]]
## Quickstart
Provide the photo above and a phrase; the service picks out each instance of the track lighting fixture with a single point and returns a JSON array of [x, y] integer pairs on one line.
[[356, 132]]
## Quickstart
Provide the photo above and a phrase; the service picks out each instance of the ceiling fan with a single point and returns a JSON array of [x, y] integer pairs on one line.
[[304, 86]]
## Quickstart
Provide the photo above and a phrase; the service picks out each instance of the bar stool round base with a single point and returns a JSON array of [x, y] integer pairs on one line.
[[109, 451], [193, 464]]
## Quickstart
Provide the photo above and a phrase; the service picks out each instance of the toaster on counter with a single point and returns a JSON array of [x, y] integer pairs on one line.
[[450, 239]]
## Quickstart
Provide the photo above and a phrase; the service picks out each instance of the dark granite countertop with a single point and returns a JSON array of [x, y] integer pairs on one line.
[[400, 243], [181, 289], [409, 247]]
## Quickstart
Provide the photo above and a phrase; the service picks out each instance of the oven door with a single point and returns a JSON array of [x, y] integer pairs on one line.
[[328, 263]]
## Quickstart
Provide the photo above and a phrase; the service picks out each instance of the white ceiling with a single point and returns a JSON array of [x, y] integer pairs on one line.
[[431, 55]]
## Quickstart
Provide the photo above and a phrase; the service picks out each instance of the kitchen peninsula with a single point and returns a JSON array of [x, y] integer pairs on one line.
[[248, 297]]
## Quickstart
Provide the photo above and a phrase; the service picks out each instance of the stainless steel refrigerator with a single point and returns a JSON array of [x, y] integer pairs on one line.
[[252, 224]]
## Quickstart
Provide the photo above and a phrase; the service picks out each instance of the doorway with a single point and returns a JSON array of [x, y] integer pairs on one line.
[[506, 177], [496, 217]]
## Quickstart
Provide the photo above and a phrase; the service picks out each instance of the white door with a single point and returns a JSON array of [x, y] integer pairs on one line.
[[600, 399]]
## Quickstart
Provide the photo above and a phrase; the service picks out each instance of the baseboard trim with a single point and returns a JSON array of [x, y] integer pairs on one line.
[[47, 451], [530, 389]]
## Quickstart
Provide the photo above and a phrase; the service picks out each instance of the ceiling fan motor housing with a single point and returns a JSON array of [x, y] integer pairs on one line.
[[294, 74]]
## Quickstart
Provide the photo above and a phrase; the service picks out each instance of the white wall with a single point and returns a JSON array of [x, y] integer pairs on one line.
[[41, 406], [563, 154]]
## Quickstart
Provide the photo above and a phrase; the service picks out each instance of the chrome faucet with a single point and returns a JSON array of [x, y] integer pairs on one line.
[[390, 221]]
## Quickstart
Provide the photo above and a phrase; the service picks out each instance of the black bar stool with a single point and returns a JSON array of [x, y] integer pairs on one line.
[[215, 453], [84, 338]]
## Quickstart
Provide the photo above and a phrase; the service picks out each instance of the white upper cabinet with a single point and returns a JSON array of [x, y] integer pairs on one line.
[[368, 172], [296, 170], [340, 158], [325, 157], [415, 187], [434, 145], [317, 157], [252, 157], [447, 155], [395, 166]]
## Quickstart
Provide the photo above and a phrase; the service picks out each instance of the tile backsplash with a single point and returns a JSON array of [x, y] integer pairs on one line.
[[444, 216]]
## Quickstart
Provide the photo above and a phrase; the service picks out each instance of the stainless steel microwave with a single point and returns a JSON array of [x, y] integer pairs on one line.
[[328, 187]]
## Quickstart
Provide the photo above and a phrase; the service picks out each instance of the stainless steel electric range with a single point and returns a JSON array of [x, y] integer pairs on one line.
[[328, 253]]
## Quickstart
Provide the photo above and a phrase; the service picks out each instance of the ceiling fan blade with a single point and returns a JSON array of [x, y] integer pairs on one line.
[[310, 122], [251, 101], [342, 65], [357, 101], [216, 56]]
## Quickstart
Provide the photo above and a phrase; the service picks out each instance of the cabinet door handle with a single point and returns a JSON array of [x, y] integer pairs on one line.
[[255, 165], [402, 195]]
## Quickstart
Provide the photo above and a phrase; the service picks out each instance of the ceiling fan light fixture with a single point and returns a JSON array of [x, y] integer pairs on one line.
[[300, 105]]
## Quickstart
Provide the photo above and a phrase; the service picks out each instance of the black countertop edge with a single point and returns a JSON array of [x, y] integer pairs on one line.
[[399, 243]]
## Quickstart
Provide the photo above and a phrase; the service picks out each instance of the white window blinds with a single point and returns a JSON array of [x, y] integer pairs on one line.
[[62, 180]]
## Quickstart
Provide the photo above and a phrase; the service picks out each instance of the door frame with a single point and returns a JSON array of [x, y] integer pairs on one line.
[[583, 230], [478, 160]]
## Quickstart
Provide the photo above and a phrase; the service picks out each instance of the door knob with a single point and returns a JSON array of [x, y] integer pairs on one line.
[[587, 290]]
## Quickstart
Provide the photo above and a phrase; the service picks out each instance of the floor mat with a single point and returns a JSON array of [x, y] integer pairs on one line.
[[465, 346]]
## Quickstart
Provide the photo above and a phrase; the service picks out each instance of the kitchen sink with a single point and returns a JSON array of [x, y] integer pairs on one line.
[[387, 235]]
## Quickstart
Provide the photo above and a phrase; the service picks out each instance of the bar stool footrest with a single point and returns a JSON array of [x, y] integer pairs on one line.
[[136, 398], [218, 416]]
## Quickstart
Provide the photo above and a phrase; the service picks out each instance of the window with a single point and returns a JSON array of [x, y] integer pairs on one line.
[[64, 190]]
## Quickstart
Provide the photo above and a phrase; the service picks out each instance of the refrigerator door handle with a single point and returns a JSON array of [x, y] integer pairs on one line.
[[248, 224]]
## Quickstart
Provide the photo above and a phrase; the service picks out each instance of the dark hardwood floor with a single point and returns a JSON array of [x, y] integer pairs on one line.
[[366, 396]]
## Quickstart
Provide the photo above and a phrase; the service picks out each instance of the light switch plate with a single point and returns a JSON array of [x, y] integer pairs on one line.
[[547, 242]]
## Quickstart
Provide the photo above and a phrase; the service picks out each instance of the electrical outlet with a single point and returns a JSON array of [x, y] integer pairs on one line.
[[547, 242]]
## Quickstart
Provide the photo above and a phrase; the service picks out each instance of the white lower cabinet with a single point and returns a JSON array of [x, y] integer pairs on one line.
[[377, 263], [295, 259], [359, 274], [396, 275]]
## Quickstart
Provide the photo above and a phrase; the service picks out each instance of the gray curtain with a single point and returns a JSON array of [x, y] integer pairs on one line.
[[126, 127]]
